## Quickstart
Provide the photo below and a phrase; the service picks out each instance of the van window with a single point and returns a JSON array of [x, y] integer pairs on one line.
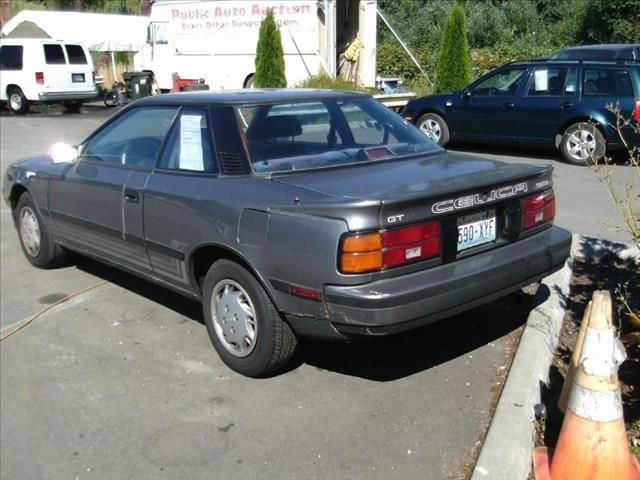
[[76, 55], [53, 54], [607, 82], [11, 57]]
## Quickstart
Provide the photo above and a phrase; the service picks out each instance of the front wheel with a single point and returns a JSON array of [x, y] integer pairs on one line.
[[434, 127], [18, 103], [244, 326], [583, 144], [35, 241], [73, 106]]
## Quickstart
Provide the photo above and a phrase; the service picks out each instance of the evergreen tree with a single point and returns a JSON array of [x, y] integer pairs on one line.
[[269, 55], [454, 65]]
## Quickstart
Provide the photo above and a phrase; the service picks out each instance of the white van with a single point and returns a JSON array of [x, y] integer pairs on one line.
[[44, 70]]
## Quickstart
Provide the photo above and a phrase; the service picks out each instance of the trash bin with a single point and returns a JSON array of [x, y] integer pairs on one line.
[[138, 84]]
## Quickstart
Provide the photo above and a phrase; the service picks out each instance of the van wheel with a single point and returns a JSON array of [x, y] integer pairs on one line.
[[434, 127], [73, 106], [248, 82], [17, 101], [244, 326], [583, 144]]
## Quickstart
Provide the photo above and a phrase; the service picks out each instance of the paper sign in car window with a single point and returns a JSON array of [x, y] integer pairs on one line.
[[541, 78], [191, 143]]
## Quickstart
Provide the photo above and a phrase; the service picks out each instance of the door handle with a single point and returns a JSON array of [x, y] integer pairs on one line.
[[567, 105], [508, 105], [131, 196]]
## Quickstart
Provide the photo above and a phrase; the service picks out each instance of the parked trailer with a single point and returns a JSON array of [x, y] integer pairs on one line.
[[215, 41]]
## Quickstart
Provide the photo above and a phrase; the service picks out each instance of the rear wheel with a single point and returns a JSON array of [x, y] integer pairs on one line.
[[435, 127], [248, 82], [583, 144], [18, 103], [244, 326], [36, 244]]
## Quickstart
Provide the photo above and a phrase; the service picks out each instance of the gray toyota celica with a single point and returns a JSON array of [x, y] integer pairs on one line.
[[289, 213]]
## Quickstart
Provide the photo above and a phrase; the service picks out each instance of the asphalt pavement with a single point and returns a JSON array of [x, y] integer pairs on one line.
[[122, 382]]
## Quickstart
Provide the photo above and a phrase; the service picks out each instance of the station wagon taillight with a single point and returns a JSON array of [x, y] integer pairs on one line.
[[370, 252], [40, 78], [538, 209], [636, 112]]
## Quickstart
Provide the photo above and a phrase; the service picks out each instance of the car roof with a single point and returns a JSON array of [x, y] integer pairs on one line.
[[248, 96], [603, 46]]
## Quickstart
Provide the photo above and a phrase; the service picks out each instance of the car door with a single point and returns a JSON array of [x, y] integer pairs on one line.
[[549, 98], [487, 108], [177, 196], [97, 204]]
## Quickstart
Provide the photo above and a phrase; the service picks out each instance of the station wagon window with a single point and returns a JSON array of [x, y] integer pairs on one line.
[[76, 55], [607, 82], [189, 145], [554, 81], [11, 57], [331, 132], [53, 54], [503, 83], [133, 139]]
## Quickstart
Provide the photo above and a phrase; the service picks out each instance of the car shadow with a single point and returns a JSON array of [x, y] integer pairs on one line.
[[374, 358]]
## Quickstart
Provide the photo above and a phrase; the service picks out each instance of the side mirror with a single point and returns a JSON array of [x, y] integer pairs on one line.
[[466, 93], [63, 153]]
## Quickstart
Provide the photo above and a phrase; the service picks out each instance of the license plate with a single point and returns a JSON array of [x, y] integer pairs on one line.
[[77, 77], [476, 229]]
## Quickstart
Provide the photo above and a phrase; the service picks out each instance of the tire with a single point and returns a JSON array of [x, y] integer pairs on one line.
[[248, 314], [434, 127], [17, 102], [110, 99], [73, 106], [248, 82], [583, 144], [35, 241]]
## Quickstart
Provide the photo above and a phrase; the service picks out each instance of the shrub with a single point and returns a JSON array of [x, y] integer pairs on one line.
[[453, 71], [269, 55], [322, 80]]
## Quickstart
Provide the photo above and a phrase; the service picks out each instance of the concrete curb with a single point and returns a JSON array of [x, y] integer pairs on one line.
[[506, 451]]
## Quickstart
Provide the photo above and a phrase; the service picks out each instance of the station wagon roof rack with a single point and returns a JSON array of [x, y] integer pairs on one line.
[[612, 61]]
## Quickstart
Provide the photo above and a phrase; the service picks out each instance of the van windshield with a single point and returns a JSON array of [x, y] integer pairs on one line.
[[316, 134]]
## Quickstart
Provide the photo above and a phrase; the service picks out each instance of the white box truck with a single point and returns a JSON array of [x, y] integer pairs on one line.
[[215, 41]]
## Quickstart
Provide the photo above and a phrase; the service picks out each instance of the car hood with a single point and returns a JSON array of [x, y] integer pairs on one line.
[[391, 180]]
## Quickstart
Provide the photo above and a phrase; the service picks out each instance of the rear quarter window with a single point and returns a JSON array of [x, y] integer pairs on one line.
[[607, 82], [53, 54], [11, 57], [76, 55]]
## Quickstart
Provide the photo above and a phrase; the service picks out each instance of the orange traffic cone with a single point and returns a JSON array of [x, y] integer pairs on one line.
[[592, 443]]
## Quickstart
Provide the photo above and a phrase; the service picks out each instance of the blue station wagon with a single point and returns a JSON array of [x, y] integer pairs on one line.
[[563, 103]]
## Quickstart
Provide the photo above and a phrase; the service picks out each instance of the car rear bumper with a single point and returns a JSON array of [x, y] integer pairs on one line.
[[401, 303], [75, 95]]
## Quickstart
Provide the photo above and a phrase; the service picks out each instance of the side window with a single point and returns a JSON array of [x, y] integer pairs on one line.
[[189, 145], [556, 81], [133, 139], [607, 82], [53, 54], [76, 55], [365, 129], [11, 57], [504, 83]]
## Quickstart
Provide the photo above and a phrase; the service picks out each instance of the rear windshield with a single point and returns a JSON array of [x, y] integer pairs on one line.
[[53, 54], [11, 57], [76, 55], [317, 134]]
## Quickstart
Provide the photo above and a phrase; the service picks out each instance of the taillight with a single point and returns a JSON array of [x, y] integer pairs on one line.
[[368, 252], [636, 112], [40, 78], [537, 209]]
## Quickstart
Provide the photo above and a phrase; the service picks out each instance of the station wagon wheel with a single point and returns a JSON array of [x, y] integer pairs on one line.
[[435, 127], [583, 144], [37, 246], [243, 324], [18, 103]]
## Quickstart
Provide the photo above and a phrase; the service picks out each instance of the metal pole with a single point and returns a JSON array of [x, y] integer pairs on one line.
[[403, 45]]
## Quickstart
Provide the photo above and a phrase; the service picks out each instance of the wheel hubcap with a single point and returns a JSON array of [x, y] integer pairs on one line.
[[432, 129], [234, 317], [16, 101], [581, 144], [30, 231]]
